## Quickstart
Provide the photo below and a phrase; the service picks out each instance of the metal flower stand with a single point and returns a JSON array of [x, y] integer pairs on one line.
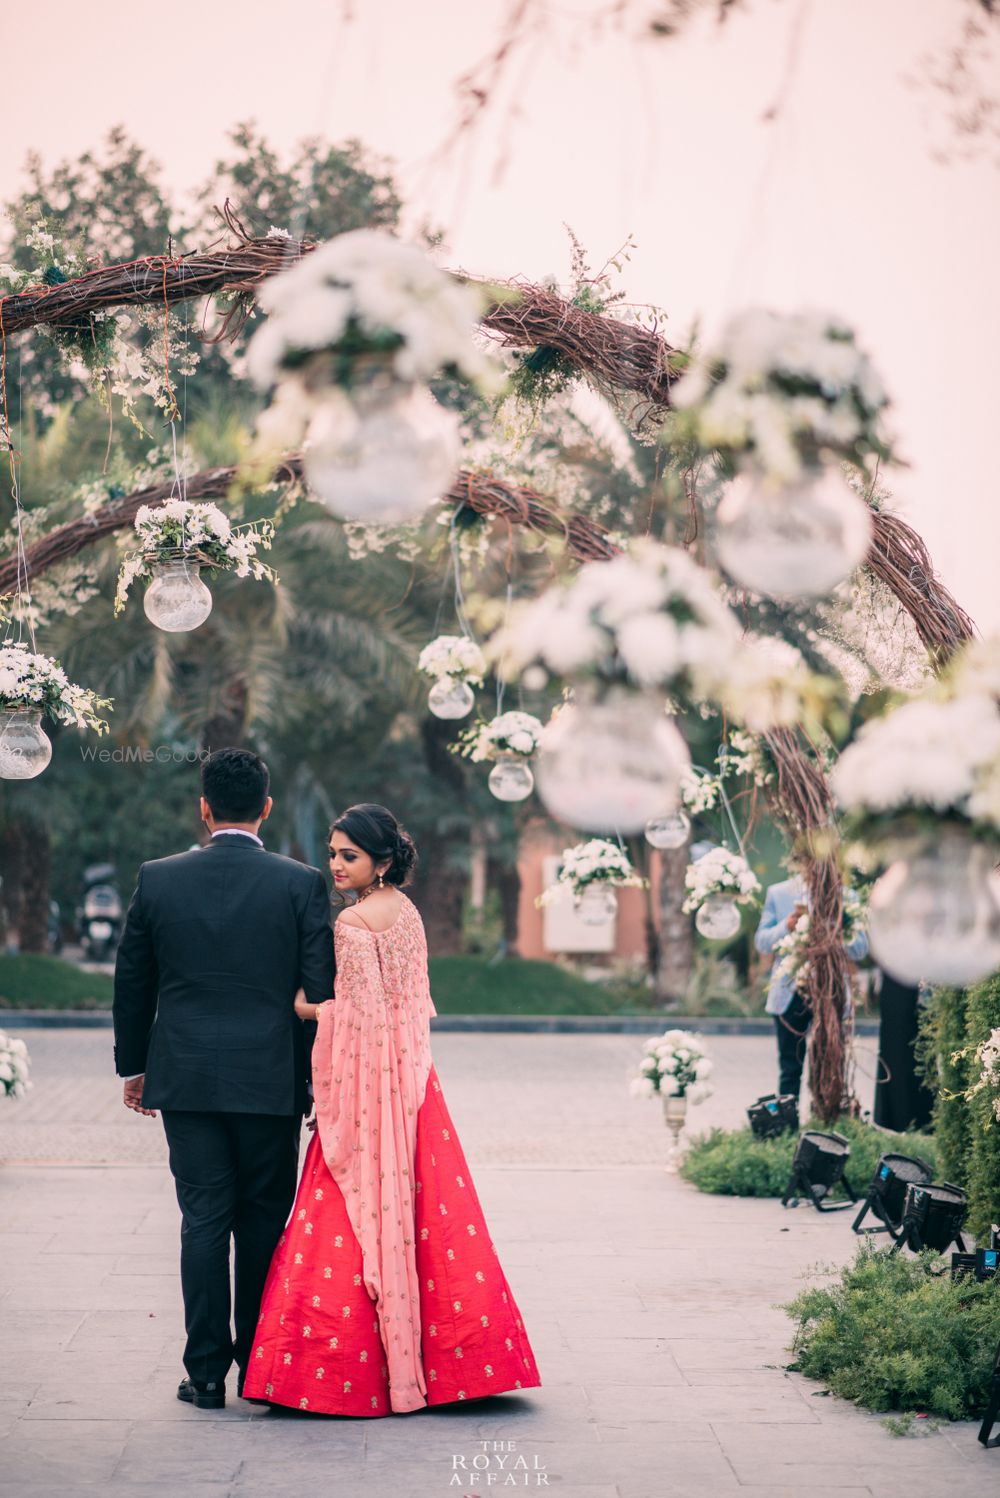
[[674, 1113]]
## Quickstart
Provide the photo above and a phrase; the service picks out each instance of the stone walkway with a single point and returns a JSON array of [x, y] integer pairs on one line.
[[651, 1308]]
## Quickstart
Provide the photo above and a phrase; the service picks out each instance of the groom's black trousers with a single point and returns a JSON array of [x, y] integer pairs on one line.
[[236, 1175]]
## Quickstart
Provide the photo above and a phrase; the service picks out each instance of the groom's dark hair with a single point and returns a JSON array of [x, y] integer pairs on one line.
[[235, 784]]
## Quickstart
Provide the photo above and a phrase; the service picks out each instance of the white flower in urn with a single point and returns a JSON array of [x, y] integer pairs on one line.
[[675, 1064], [14, 1079]]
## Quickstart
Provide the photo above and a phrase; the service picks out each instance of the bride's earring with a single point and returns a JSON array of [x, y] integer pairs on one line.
[[381, 882]]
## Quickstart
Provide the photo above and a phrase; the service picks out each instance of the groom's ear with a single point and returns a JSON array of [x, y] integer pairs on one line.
[[267, 809], [204, 809]]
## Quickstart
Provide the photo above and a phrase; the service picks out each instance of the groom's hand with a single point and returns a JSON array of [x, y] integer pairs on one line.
[[133, 1097]]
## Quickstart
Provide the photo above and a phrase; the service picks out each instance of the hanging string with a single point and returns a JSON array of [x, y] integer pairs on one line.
[[22, 613]]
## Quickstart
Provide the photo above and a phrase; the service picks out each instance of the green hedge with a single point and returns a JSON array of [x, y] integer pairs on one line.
[[892, 1334], [31, 980], [736, 1163], [968, 1133]]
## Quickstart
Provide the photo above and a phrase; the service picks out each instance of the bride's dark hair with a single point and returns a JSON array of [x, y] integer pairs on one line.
[[375, 830]]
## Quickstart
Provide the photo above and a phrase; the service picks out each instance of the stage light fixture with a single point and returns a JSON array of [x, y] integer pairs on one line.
[[933, 1217], [817, 1168], [773, 1114], [887, 1192]]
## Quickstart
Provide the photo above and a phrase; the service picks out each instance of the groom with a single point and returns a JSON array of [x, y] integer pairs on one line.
[[215, 945]]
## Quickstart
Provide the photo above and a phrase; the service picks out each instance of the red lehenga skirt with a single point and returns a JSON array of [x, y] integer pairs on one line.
[[318, 1345]]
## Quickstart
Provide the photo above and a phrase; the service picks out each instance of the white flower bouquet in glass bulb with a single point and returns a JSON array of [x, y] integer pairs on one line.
[[33, 685], [784, 399], [14, 1078], [593, 871], [675, 1064], [354, 332], [508, 741], [453, 662], [717, 884], [177, 539], [920, 788]]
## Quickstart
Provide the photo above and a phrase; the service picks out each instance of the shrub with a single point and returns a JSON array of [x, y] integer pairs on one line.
[[967, 1132], [893, 1333], [736, 1163]]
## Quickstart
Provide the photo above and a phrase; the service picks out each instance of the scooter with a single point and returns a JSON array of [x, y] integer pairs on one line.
[[100, 913]]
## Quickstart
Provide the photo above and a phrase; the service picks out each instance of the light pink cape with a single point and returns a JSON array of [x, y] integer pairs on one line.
[[371, 1060]]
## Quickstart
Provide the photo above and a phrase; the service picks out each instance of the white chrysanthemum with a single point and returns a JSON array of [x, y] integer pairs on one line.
[[384, 287], [926, 753], [719, 872], [453, 656]]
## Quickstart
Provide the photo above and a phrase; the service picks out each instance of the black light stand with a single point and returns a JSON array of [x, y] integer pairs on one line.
[[887, 1192], [773, 1114], [818, 1166], [933, 1217]]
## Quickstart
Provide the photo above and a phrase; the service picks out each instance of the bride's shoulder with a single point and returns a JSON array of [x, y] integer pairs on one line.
[[381, 910]]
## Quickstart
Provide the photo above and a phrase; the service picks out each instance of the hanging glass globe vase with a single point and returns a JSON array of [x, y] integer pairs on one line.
[[669, 832], [382, 451], [718, 918], [596, 905], [511, 778], [25, 747], [177, 600], [798, 540], [611, 764], [450, 697], [934, 916]]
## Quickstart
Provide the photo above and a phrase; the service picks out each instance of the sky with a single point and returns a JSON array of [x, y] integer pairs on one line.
[[842, 200]]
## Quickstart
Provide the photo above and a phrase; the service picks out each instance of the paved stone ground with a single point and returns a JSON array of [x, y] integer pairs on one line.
[[651, 1308]]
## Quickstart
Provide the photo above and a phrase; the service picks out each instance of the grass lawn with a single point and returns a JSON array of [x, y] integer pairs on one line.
[[460, 985], [35, 981], [517, 985]]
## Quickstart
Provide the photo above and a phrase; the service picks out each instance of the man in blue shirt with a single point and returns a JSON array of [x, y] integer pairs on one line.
[[784, 905]]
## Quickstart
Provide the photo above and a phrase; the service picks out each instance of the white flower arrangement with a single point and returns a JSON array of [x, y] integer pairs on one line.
[[595, 862], [29, 680], [934, 758], [987, 1054], [366, 293], [202, 533], [654, 619], [509, 733], [13, 1066], [452, 657], [792, 950], [787, 391], [719, 872], [675, 1064], [650, 616]]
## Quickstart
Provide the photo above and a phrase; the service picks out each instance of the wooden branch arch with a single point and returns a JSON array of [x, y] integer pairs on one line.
[[614, 355]]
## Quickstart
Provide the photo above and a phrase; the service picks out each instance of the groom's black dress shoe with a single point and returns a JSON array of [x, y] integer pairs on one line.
[[202, 1396]]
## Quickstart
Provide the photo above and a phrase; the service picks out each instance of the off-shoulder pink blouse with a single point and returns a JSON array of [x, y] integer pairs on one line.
[[371, 1060]]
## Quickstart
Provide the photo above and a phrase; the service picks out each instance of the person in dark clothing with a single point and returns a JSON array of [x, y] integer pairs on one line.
[[902, 1099], [216, 943]]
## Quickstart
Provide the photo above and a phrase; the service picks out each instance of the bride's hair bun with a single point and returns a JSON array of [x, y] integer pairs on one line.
[[376, 830]]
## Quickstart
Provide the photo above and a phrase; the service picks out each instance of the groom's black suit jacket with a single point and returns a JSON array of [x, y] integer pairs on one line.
[[216, 942]]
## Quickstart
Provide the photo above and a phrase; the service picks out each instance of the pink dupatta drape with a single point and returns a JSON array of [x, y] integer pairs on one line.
[[371, 1060]]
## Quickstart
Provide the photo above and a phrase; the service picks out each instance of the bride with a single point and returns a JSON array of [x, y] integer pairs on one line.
[[385, 1293]]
